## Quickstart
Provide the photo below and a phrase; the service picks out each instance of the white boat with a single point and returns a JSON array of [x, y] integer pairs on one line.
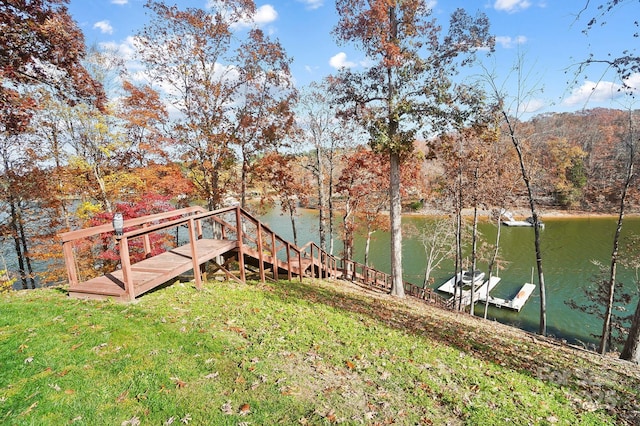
[[468, 277], [510, 221]]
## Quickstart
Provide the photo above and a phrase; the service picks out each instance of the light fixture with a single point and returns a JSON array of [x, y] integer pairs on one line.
[[118, 224]]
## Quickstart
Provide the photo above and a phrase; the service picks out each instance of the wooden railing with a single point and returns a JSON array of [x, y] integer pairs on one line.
[[143, 227], [252, 237], [370, 277]]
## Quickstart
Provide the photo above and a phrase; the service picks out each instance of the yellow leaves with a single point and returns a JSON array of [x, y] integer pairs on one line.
[[86, 210]]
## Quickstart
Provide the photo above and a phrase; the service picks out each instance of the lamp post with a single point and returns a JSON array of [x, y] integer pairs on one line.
[[118, 224]]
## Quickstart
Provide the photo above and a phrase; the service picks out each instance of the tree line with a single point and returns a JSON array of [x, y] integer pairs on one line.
[[218, 115]]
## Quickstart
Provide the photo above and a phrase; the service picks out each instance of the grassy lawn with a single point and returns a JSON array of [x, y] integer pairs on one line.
[[290, 353]]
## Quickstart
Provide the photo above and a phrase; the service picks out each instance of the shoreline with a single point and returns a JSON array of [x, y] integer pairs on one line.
[[521, 214]]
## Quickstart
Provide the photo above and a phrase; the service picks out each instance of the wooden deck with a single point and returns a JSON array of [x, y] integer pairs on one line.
[[236, 240], [240, 238], [152, 272]]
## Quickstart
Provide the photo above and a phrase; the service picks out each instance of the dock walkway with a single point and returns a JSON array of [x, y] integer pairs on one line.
[[480, 294]]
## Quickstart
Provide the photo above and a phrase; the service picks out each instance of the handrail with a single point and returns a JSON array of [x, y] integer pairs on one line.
[[316, 258], [101, 229]]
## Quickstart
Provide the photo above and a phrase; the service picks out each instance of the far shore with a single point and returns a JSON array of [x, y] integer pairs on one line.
[[523, 213]]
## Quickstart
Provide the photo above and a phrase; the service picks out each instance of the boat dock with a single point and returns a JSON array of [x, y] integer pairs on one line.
[[480, 294], [516, 303], [450, 288]]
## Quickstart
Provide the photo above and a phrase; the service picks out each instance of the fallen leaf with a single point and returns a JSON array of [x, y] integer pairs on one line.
[[133, 421], [123, 396], [227, 408], [244, 409], [350, 365], [179, 383]]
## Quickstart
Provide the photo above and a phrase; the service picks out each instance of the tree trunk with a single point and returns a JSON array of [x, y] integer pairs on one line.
[[474, 243], [492, 263], [16, 243], [348, 233], [631, 351], [397, 285], [25, 250], [605, 339], [536, 228], [292, 216], [458, 267], [321, 197], [103, 189], [330, 204], [367, 246], [243, 181]]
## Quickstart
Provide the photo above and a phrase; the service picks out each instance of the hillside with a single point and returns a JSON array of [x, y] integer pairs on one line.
[[290, 353]]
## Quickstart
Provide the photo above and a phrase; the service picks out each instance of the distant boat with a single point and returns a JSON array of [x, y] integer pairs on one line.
[[469, 277], [510, 221]]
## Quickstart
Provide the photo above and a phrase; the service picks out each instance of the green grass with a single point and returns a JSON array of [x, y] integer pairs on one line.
[[289, 353]]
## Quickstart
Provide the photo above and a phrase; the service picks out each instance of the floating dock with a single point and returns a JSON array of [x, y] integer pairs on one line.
[[450, 288], [480, 294], [516, 303]]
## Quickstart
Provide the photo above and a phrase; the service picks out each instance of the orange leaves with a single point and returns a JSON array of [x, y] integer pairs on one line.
[[179, 383], [243, 409], [241, 331]]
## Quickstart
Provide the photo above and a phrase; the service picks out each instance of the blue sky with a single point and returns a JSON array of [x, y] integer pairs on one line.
[[546, 34]]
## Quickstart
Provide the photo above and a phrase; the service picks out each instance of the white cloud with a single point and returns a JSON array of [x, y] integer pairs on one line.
[[313, 4], [104, 27], [263, 15], [531, 106], [124, 50], [120, 2], [340, 61], [592, 91], [508, 42], [511, 6]]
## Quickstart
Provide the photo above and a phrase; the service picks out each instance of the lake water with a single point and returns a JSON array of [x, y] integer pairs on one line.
[[568, 247]]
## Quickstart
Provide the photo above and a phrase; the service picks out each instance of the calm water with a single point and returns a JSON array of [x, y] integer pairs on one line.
[[568, 247]]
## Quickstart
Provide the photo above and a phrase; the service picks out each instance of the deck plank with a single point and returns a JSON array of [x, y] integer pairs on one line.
[[152, 272]]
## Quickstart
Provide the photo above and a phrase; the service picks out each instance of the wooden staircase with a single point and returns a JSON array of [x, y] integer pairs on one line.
[[230, 241]]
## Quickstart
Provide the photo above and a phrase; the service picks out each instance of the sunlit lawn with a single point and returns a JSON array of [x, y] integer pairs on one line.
[[282, 353]]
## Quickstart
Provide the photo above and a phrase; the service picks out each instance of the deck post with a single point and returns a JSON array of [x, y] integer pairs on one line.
[[194, 253], [260, 253], [288, 261], [240, 237], [300, 264], [313, 262], [327, 265], [146, 242], [125, 263], [69, 260], [274, 256]]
